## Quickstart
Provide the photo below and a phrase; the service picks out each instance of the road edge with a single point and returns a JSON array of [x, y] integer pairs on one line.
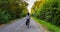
[[45, 30]]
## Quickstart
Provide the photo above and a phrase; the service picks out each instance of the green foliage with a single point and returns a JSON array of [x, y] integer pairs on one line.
[[49, 11], [11, 9], [49, 26], [4, 17]]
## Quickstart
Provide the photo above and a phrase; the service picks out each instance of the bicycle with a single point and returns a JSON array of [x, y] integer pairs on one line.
[[27, 23]]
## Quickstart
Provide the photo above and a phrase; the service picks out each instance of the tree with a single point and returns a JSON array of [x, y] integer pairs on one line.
[[48, 11], [11, 9]]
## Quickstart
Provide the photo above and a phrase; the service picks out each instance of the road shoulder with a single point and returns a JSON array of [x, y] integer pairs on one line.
[[41, 26]]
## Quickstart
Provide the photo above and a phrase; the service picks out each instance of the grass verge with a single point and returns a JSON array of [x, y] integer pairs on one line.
[[49, 26]]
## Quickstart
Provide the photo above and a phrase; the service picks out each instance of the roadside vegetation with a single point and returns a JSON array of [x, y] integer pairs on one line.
[[50, 27], [12, 9], [48, 11]]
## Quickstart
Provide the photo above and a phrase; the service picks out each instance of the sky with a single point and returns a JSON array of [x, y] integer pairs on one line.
[[30, 4]]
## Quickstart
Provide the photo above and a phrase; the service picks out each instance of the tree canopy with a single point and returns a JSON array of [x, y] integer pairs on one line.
[[11, 9], [48, 10]]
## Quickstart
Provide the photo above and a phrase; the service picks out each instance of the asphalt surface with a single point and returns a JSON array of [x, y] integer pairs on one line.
[[19, 26]]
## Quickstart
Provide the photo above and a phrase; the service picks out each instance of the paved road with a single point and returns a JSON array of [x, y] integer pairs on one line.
[[19, 26]]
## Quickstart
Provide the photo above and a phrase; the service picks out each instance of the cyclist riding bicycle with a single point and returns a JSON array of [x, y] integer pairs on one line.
[[27, 20]]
